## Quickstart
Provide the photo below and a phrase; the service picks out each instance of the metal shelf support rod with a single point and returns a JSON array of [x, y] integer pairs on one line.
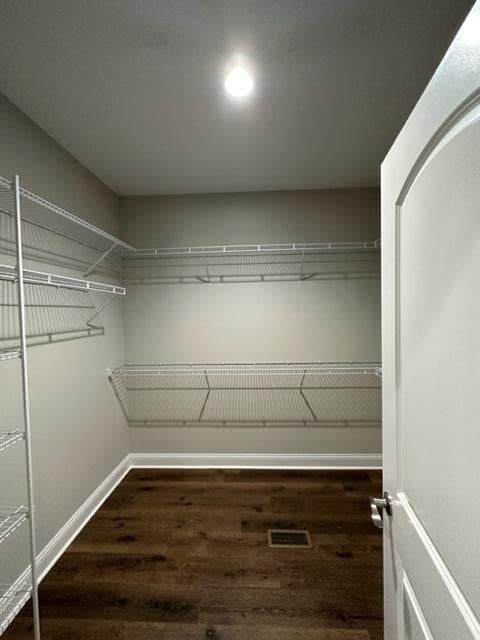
[[309, 406], [206, 268], [104, 256], [26, 410], [302, 266], [99, 311]]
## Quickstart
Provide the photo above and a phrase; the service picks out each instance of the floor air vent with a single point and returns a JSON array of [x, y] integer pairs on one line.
[[283, 538]]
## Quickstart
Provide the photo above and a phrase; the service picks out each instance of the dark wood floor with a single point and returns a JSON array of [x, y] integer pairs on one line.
[[179, 555]]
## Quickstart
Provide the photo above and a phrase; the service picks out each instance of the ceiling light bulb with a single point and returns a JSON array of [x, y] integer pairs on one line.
[[238, 83]]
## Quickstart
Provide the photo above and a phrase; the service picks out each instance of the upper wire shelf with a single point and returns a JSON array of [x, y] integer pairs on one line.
[[251, 394], [253, 249], [10, 437], [31, 276], [55, 236], [259, 262], [60, 221], [10, 520]]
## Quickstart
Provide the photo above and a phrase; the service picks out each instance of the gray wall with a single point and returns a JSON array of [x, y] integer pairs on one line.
[[79, 434], [324, 320]]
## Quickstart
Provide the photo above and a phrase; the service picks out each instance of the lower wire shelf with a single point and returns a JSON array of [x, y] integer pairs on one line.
[[11, 518], [12, 599], [9, 354], [254, 394], [9, 437]]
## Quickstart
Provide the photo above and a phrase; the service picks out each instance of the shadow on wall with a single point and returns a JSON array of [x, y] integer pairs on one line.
[[52, 315]]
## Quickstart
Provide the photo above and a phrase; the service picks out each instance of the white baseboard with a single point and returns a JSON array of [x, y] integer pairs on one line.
[[58, 544], [256, 460]]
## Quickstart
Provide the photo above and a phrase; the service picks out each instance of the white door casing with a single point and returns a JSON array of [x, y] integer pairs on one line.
[[431, 346]]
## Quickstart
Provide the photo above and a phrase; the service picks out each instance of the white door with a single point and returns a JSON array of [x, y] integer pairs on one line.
[[431, 355]]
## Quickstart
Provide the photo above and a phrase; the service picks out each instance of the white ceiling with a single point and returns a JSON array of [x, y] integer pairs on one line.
[[133, 88]]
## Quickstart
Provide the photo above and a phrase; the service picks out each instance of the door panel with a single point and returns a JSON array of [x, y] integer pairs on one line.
[[441, 601], [414, 623], [439, 240], [430, 351]]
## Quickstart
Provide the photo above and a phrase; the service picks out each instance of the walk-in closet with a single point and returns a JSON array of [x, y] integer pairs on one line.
[[209, 324]]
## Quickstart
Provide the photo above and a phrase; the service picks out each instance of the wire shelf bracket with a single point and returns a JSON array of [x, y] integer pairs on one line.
[[104, 256], [98, 312]]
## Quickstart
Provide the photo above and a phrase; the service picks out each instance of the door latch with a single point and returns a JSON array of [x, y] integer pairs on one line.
[[378, 506]]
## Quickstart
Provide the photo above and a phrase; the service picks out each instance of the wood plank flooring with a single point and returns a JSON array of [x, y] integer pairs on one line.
[[182, 554]]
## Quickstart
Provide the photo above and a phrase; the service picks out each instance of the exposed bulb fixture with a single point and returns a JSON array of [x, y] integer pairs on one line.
[[238, 83]]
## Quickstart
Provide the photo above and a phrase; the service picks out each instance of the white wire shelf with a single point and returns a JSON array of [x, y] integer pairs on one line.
[[58, 220], [12, 599], [30, 276], [52, 314], [254, 249], [250, 368], [260, 262], [55, 236], [9, 354], [10, 437], [251, 394], [10, 519]]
